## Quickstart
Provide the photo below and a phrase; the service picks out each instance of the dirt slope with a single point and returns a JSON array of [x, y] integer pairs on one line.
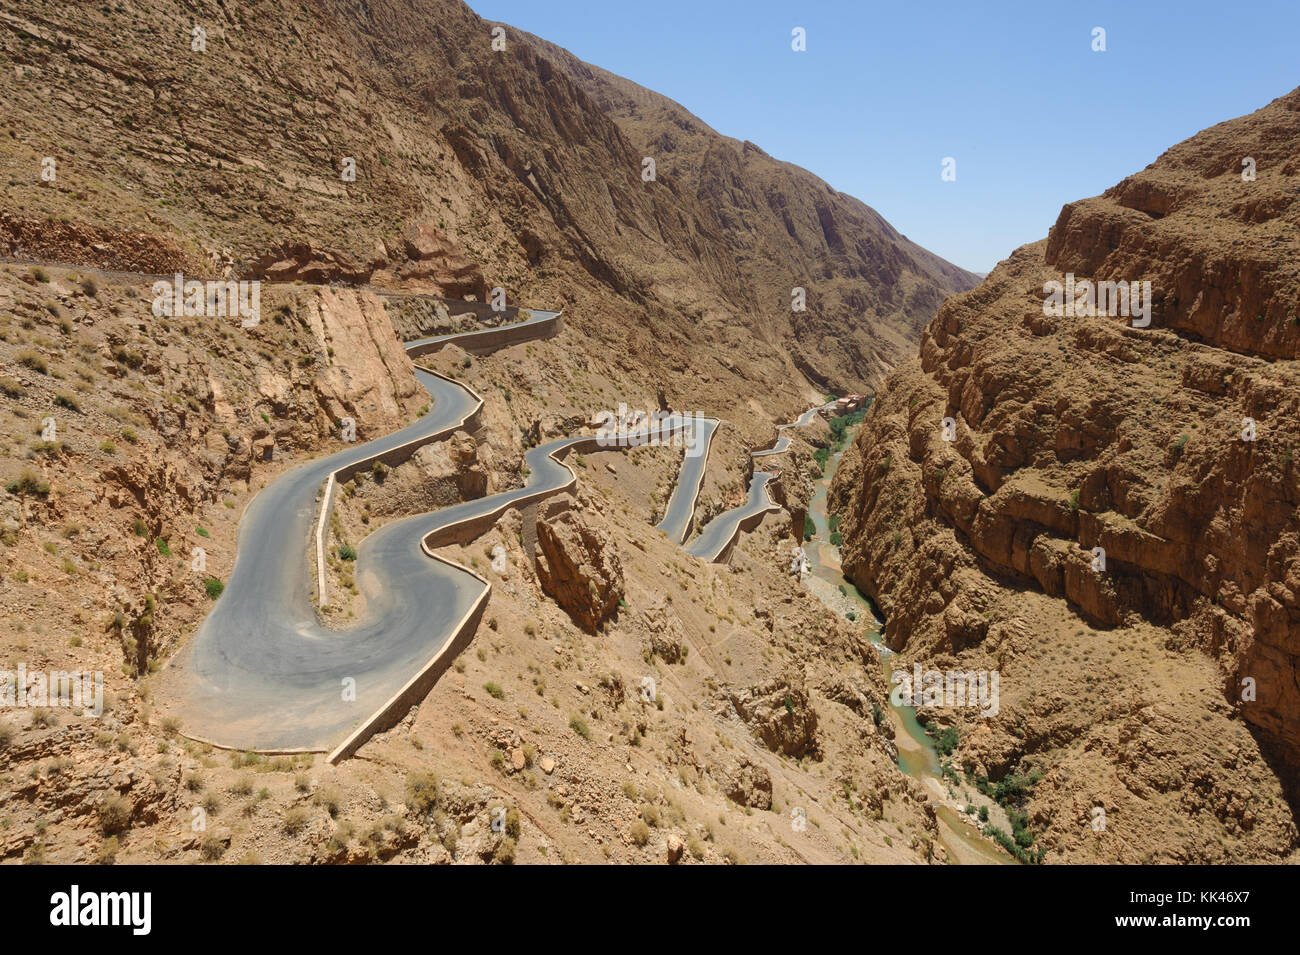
[[474, 169], [870, 290]]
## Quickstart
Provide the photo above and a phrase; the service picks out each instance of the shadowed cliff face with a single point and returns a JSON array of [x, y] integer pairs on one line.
[[1075, 433], [869, 290], [474, 168]]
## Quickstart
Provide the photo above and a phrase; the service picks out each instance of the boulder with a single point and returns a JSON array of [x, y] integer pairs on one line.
[[577, 564]]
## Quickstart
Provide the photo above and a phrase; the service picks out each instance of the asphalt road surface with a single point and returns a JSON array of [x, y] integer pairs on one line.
[[261, 673]]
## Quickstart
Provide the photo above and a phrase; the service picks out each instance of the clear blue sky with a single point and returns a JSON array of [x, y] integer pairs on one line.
[[1010, 88]]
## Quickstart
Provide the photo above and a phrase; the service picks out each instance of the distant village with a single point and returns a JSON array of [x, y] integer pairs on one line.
[[849, 404]]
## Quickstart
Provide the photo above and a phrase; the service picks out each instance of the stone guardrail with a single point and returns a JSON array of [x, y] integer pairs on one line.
[[463, 531], [418, 687], [745, 525], [487, 340], [392, 457]]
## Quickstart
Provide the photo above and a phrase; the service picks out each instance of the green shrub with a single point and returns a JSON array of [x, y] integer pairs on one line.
[[295, 820], [123, 356], [347, 552], [840, 426], [211, 848], [422, 792], [28, 484], [329, 798], [947, 741], [33, 361], [579, 726], [106, 854], [214, 588], [505, 852], [114, 814]]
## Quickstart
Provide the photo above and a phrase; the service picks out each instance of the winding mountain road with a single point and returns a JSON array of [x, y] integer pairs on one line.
[[262, 673], [721, 533], [782, 442], [680, 512]]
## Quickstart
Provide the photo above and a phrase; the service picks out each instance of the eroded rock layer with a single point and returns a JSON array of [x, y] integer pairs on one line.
[[1073, 433]]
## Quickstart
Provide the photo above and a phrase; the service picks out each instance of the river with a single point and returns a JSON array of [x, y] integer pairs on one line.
[[916, 753]]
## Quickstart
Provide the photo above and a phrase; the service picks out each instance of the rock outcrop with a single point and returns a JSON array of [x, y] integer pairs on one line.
[[29, 237], [780, 714], [577, 563], [304, 262], [434, 262], [746, 783], [368, 377], [664, 636]]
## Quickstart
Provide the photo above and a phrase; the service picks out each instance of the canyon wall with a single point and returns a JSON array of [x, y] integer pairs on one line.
[[1072, 433], [389, 143]]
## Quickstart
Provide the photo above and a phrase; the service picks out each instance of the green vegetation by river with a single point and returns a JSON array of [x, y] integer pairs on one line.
[[920, 754]]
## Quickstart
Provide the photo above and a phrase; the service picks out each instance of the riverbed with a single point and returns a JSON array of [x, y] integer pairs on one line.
[[917, 757]]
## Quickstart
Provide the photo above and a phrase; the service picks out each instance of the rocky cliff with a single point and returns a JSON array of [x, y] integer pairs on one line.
[[389, 143], [870, 290], [1111, 515]]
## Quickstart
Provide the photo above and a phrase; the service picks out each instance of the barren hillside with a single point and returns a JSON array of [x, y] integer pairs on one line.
[[474, 168], [788, 228]]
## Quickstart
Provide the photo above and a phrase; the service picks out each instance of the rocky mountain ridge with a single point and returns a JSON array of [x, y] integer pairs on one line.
[[389, 142]]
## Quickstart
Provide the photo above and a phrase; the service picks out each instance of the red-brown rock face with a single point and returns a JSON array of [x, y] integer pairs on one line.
[[577, 564], [1076, 433]]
